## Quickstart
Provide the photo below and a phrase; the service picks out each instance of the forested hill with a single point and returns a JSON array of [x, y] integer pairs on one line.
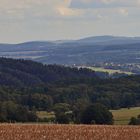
[[65, 84], [22, 73], [27, 86]]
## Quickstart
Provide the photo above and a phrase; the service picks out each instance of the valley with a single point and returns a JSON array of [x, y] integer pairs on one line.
[[118, 53]]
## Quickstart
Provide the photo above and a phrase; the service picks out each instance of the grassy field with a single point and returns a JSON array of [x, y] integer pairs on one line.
[[110, 71], [122, 116], [67, 132], [45, 114]]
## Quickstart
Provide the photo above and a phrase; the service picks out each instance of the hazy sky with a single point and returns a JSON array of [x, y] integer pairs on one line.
[[24, 20]]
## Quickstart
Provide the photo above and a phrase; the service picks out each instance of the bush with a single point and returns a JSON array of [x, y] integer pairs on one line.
[[62, 118], [135, 121]]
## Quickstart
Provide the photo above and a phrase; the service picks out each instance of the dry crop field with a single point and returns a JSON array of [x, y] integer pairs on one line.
[[68, 132]]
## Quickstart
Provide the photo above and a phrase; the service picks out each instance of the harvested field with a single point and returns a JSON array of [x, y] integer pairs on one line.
[[68, 132]]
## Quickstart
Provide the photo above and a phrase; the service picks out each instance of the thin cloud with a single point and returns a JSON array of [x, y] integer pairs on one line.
[[104, 3], [36, 8]]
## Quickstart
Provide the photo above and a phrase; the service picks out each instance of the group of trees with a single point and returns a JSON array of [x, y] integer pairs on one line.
[[97, 114], [11, 112], [92, 114]]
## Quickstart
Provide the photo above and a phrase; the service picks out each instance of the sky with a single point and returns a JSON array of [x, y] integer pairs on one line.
[[30, 20]]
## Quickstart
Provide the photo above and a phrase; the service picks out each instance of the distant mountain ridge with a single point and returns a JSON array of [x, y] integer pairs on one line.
[[83, 51], [110, 40]]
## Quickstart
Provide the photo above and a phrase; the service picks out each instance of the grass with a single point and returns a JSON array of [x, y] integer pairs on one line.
[[45, 114], [110, 71], [123, 116]]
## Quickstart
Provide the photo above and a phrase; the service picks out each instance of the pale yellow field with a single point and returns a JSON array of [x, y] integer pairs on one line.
[[110, 71], [68, 132], [122, 116], [45, 114]]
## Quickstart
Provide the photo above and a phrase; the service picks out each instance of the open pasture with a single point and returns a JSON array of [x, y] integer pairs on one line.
[[123, 115]]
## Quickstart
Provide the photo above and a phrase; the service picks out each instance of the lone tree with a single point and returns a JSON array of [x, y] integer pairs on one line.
[[98, 114]]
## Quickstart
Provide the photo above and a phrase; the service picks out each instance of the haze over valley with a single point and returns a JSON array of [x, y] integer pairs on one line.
[[112, 52]]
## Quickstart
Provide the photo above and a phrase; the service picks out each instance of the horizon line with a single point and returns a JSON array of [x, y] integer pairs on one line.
[[72, 39]]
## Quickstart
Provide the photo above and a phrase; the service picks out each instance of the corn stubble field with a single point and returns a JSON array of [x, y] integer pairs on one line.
[[68, 132]]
